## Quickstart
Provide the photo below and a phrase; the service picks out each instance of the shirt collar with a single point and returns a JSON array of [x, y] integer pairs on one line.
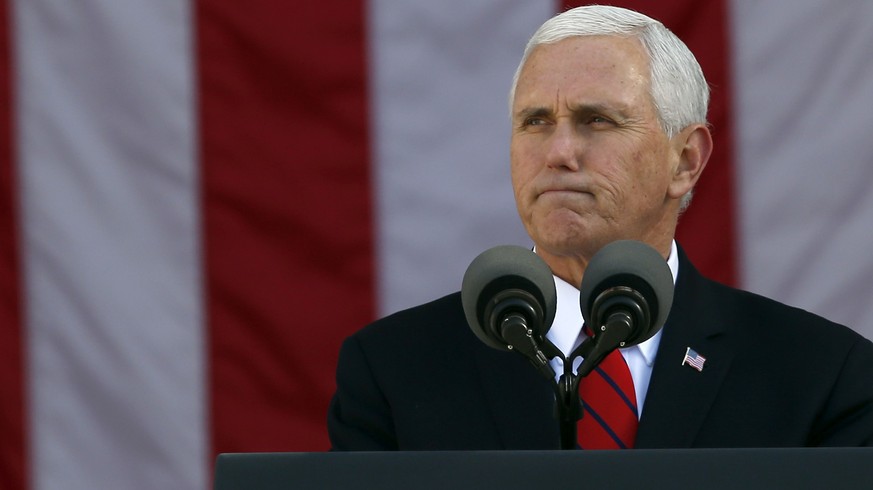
[[568, 317]]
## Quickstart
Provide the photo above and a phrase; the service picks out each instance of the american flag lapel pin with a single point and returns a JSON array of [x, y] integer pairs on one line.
[[693, 359]]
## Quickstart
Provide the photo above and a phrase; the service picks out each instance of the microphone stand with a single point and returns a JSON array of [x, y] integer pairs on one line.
[[569, 405], [593, 350]]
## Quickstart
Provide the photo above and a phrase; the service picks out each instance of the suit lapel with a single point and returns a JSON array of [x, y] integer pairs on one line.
[[520, 399], [680, 397]]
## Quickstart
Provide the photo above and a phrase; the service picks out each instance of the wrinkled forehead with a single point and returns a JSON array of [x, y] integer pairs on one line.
[[579, 65], [624, 48], [629, 44]]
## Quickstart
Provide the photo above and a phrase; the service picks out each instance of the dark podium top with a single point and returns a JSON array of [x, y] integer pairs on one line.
[[710, 469]]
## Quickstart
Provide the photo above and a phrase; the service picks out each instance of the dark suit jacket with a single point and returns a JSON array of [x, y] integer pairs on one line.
[[774, 376]]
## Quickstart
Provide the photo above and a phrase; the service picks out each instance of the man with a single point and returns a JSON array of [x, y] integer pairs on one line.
[[609, 137]]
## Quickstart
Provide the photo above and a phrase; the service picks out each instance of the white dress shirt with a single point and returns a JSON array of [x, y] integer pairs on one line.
[[566, 334]]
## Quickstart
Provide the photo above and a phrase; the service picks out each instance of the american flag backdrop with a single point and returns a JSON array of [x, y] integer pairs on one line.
[[200, 198]]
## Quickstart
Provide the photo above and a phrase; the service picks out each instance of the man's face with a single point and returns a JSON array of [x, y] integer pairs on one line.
[[590, 161]]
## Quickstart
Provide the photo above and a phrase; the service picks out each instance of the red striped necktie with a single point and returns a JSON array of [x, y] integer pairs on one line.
[[610, 420]]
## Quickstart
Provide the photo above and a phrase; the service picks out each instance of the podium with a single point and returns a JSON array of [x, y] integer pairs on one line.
[[648, 469]]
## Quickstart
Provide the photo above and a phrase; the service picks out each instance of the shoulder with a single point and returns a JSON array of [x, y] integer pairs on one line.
[[758, 321], [415, 337], [422, 323]]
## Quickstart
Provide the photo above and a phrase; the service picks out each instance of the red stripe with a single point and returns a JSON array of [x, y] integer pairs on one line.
[[707, 230], [287, 212], [13, 473]]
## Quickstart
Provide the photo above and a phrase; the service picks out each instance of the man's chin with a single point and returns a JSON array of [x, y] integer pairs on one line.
[[574, 238], [569, 247]]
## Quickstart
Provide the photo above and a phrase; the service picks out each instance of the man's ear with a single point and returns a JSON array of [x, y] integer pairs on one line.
[[694, 146]]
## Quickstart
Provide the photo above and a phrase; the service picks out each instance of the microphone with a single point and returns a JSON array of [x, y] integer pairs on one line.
[[625, 297], [509, 299]]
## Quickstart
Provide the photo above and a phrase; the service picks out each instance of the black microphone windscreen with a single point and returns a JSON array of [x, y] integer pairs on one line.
[[635, 265], [503, 268]]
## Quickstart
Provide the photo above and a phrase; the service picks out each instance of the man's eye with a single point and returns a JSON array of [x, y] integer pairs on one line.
[[533, 121], [599, 120]]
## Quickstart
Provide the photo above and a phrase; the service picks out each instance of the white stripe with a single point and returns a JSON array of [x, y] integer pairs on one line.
[[441, 75], [804, 88], [111, 258]]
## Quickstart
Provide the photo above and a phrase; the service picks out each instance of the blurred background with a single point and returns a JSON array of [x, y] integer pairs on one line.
[[199, 199]]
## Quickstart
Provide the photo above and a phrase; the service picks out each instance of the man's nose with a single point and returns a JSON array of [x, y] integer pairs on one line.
[[563, 147]]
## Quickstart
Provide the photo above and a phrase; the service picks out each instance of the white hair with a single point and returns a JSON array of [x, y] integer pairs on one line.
[[678, 88]]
